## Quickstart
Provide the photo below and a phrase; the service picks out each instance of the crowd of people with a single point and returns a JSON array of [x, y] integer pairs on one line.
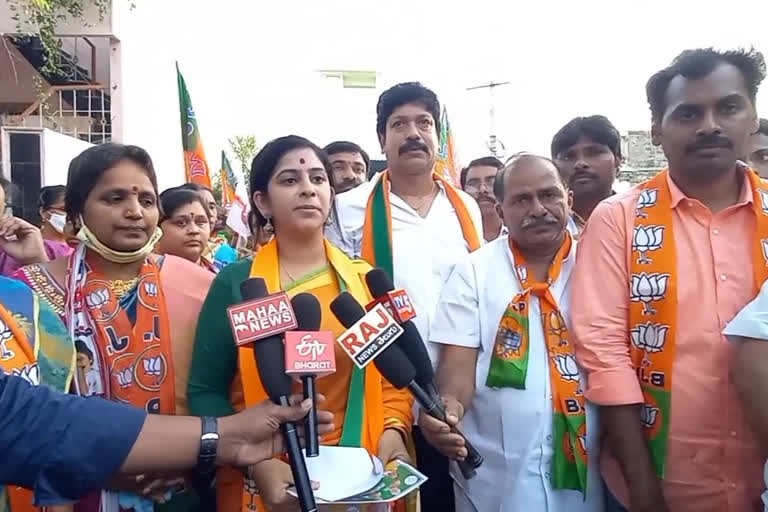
[[640, 314]]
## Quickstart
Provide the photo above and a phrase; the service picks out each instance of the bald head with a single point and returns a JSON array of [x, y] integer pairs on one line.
[[519, 161]]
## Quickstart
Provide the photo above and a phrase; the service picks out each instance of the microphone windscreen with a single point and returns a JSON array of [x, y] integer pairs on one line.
[[307, 310], [346, 309], [395, 367], [378, 282], [253, 288]]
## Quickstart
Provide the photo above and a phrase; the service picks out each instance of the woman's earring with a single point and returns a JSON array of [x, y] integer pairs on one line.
[[268, 227]]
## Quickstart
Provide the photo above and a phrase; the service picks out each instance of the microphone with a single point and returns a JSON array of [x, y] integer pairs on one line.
[[393, 364], [309, 353], [260, 314], [383, 289]]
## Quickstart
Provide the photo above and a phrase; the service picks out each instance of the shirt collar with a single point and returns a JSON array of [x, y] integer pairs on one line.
[[677, 195]]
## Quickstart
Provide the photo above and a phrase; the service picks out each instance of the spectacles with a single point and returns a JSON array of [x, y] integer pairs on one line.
[[474, 185]]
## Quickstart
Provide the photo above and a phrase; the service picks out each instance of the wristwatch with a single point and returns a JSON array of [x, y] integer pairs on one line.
[[209, 443]]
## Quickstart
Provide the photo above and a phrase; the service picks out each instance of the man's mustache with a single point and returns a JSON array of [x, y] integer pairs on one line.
[[413, 145], [709, 142], [534, 222]]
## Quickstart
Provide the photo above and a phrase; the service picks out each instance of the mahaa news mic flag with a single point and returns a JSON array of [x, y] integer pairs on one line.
[[447, 164], [195, 164], [228, 181]]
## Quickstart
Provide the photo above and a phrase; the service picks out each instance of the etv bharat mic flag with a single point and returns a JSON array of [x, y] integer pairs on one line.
[[447, 165], [195, 165]]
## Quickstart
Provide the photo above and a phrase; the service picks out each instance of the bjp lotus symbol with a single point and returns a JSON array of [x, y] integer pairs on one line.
[[29, 373], [763, 199], [645, 239], [5, 337], [649, 337], [566, 365], [556, 323], [124, 377], [648, 415], [647, 288], [647, 199]]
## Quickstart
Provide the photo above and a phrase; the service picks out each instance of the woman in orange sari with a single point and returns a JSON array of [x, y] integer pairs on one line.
[[130, 313], [291, 196]]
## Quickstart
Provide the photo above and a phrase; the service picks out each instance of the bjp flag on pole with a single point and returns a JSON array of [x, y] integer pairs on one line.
[[195, 164], [228, 181], [447, 164]]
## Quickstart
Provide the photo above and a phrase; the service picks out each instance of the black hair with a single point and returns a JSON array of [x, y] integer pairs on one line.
[[512, 162], [174, 198], [82, 348], [265, 162], [403, 94], [490, 161], [51, 195], [698, 63], [596, 128], [763, 128], [343, 146], [196, 187], [86, 169]]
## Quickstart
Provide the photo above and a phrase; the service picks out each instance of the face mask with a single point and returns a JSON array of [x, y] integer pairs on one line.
[[58, 221], [89, 240]]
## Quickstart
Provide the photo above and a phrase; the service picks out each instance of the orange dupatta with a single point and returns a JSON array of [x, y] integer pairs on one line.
[[266, 265]]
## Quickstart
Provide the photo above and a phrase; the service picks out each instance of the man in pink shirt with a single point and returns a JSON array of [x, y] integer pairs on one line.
[[661, 269]]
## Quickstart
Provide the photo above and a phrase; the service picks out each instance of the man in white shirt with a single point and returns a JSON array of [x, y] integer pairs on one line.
[[748, 331], [507, 369], [414, 225]]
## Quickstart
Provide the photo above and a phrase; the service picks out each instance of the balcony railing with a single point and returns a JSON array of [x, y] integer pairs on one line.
[[81, 111]]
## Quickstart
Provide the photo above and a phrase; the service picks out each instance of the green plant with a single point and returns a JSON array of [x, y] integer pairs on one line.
[[40, 18], [245, 148]]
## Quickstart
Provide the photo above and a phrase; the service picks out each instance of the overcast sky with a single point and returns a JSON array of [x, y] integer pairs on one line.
[[251, 66]]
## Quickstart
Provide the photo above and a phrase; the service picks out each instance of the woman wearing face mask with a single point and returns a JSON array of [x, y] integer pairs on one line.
[[132, 313], [185, 224], [291, 197], [54, 218]]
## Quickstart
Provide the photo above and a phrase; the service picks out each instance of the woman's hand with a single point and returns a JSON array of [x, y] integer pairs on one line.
[[150, 486], [273, 478], [22, 241], [392, 446]]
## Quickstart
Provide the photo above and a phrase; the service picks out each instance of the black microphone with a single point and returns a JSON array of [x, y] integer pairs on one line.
[[308, 316], [270, 360], [393, 364], [411, 343]]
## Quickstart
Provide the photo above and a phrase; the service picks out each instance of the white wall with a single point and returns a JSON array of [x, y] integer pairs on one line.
[[57, 151], [149, 106]]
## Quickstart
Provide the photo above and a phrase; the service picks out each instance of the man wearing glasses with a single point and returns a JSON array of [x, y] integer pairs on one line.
[[477, 181]]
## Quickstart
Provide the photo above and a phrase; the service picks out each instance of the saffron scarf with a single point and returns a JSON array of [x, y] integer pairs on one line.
[[377, 229], [653, 292], [364, 416], [34, 346], [129, 363], [509, 367]]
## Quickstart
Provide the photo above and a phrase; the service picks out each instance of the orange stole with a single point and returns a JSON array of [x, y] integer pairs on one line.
[[325, 287]]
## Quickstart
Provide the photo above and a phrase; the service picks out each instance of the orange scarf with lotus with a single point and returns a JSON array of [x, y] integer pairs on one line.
[[653, 306]]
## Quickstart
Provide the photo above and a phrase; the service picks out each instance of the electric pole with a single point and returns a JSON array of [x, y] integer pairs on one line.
[[495, 146]]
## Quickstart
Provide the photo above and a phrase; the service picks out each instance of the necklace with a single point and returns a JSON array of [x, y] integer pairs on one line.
[[120, 287], [288, 273], [424, 202]]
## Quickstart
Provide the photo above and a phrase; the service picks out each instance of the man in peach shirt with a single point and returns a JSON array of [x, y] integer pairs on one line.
[[661, 270]]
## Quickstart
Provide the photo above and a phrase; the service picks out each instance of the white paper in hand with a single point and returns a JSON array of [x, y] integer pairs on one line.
[[343, 471], [752, 320]]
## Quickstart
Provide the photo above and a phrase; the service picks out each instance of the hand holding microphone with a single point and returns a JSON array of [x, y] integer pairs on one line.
[[264, 318], [444, 417]]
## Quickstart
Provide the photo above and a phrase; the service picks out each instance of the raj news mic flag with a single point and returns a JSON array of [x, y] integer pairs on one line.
[[228, 181], [195, 165], [447, 164]]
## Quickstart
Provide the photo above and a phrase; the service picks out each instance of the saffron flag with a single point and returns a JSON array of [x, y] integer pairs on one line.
[[195, 164], [447, 164], [228, 181]]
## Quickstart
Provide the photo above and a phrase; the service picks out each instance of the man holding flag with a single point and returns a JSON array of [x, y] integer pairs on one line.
[[416, 225]]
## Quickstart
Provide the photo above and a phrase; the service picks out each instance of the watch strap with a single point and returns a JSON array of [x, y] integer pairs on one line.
[[209, 443]]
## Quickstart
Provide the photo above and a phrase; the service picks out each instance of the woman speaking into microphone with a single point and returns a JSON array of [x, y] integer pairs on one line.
[[291, 196]]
